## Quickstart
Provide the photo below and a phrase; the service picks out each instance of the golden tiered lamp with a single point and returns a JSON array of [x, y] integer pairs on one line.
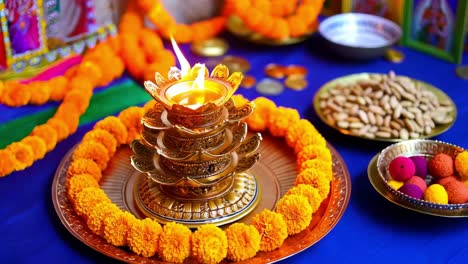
[[194, 149]]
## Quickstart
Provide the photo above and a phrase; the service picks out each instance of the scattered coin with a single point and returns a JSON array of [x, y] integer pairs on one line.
[[248, 81], [462, 71], [275, 71], [210, 48], [394, 55], [296, 82], [269, 86], [296, 70], [236, 64]]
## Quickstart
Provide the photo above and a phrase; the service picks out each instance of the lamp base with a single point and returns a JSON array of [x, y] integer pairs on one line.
[[222, 209]]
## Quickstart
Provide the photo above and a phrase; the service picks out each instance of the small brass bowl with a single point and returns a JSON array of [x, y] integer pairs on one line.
[[418, 147]]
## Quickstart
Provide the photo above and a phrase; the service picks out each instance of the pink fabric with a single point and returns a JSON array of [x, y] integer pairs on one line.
[[57, 69]]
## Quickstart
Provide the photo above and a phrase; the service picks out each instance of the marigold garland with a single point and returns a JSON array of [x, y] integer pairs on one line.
[[92, 150], [175, 242], [117, 225], [243, 241], [84, 166], [296, 211], [103, 137], [98, 215], [38, 146], [318, 179], [143, 237], [209, 244], [310, 192], [78, 182], [87, 199], [272, 228], [23, 153]]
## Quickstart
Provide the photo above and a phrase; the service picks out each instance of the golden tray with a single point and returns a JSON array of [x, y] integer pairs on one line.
[[275, 172]]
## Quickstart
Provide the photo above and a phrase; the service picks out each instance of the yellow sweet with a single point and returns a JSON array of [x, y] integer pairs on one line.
[[395, 184], [436, 193], [461, 165]]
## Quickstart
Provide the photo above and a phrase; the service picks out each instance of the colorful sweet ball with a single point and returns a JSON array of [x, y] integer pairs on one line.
[[457, 192], [395, 184], [440, 166], [461, 165], [445, 180], [418, 181], [401, 168], [420, 163], [412, 190], [436, 193]]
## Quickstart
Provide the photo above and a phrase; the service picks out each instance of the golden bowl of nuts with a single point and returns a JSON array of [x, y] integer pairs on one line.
[[384, 107], [425, 175]]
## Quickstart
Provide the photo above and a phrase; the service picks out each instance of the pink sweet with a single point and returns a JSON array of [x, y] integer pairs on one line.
[[412, 190], [418, 181], [401, 168]]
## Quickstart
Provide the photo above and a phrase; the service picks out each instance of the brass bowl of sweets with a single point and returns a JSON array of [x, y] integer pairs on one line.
[[427, 176]]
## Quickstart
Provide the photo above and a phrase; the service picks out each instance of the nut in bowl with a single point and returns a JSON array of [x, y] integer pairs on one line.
[[359, 36], [426, 176]]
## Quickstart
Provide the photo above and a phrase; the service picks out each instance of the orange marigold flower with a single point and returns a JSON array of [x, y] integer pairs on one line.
[[7, 162], [80, 99], [272, 229], [87, 199], [40, 92], [104, 137], [60, 127], [84, 166], [2, 88], [130, 22], [68, 114], [47, 133], [117, 225], [143, 238], [297, 129], [209, 244], [23, 153], [258, 120], [239, 100], [37, 145], [150, 41], [92, 150], [98, 215], [91, 71], [316, 164], [309, 138], [78, 182], [311, 152], [58, 88], [280, 120], [175, 242], [149, 105], [15, 94], [133, 134], [243, 241], [131, 117], [114, 126], [310, 192], [296, 211], [316, 178]]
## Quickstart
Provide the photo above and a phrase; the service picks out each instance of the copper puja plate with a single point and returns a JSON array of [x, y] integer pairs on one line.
[[355, 78], [236, 26], [275, 172]]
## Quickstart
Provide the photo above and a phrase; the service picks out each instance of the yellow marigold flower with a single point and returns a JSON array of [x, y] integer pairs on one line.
[[311, 152], [60, 127], [175, 242], [296, 211], [316, 178], [117, 225], [47, 133], [316, 164], [243, 241], [15, 94], [280, 120], [79, 98], [58, 88], [103, 137], [94, 151], [7, 162], [87, 199], [297, 129], [239, 100], [114, 126], [272, 229], [40, 92], [461, 165], [143, 238], [78, 182], [23, 153], [37, 145], [307, 139], [209, 244], [84, 166], [259, 119], [98, 214], [131, 117], [310, 192]]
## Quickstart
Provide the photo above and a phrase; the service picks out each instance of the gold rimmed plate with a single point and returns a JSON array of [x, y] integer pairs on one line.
[[236, 26], [275, 172], [354, 78]]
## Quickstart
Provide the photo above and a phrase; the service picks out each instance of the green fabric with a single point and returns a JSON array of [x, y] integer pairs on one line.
[[107, 102]]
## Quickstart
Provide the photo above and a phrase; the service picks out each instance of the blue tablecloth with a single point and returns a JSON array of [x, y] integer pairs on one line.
[[372, 230]]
